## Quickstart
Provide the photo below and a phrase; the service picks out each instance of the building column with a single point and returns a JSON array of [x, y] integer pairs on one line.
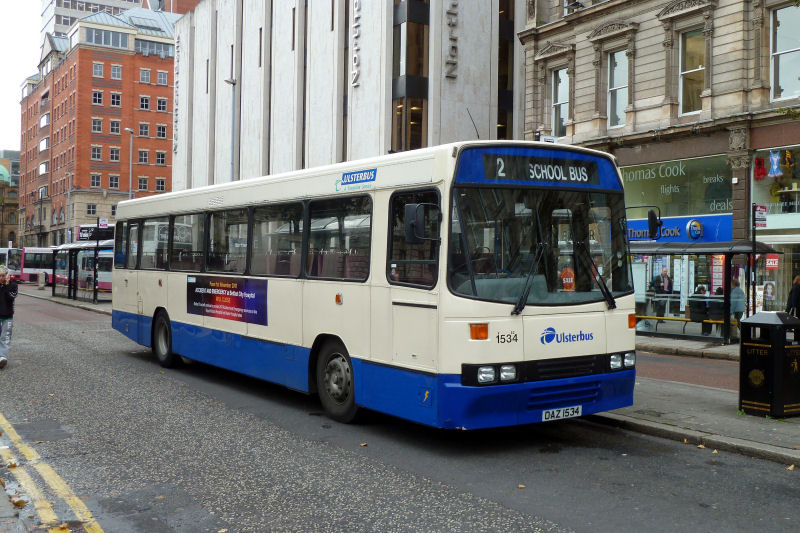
[[739, 157]]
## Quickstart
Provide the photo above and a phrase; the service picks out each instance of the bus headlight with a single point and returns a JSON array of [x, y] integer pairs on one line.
[[615, 361], [630, 359], [508, 373], [486, 374]]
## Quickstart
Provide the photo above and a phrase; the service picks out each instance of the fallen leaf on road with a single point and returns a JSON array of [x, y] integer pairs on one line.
[[715, 452], [791, 467], [19, 502], [2, 483], [701, 446], [686, 441], [222, 531], [521, 486], [363, 444], [38, 442]]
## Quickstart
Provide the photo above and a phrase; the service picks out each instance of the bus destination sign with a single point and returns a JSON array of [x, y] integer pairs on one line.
[[540, 169]]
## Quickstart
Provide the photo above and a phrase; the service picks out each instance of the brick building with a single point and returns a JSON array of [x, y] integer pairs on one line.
[[106, 87]]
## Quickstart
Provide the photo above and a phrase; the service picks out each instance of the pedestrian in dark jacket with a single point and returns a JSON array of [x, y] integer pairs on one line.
[[793, 303], [8, 293]]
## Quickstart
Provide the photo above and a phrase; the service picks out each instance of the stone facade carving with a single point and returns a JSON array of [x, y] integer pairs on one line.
[[739, 139], [680, 7]]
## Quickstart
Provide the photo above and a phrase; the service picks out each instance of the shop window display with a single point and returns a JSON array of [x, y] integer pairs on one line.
[[776, 180]]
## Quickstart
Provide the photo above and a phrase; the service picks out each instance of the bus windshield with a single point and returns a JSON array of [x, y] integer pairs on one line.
[[558, 246]]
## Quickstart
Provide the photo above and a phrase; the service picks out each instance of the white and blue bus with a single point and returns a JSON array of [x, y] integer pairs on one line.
[[470, 285]]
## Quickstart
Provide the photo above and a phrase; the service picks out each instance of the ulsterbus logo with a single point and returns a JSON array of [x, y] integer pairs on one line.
[[550, 334]]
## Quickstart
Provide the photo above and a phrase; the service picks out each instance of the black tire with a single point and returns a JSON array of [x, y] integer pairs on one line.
[[335, 382], [162, 341]]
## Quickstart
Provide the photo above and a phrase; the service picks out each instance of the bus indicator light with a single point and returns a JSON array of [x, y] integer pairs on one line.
[[338, 298], [479, 332], [631, 321]]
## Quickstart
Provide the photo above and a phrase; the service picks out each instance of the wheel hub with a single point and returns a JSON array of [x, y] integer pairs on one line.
[[337, 378]]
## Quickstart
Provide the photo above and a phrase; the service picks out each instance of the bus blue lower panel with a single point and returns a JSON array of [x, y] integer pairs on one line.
[[442, 400], [434, 400], [283, 364]]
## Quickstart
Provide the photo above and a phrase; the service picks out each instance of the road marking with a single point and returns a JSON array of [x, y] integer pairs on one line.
[[53, 480], [43, 508]]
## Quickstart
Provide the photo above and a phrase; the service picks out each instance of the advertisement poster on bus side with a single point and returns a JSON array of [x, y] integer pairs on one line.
[[238, 299]]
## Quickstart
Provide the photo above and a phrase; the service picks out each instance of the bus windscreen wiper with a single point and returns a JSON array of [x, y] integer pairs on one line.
[[526, 289], [601, 283]]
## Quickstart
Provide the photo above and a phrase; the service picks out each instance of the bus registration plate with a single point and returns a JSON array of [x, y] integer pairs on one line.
[[563, 412]]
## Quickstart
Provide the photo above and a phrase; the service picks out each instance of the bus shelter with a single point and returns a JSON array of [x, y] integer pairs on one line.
[[82, 270], [708, 290]]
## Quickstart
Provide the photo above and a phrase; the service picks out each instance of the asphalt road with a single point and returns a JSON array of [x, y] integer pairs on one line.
[[200, 449]]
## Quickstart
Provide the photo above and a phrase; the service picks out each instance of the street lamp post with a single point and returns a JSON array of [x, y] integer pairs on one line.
[[69, 207], [130, 165]]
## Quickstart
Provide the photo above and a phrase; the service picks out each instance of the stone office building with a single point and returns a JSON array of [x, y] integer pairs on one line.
[[697, 99], [264, 87]]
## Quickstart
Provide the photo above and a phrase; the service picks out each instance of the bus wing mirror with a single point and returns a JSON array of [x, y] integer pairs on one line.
[[415, 223], [653, 225]]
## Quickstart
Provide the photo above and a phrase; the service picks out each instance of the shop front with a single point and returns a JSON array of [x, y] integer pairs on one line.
[[680, 278], [775, 182]]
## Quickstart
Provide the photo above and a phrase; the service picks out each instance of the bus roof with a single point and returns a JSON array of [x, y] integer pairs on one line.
[[414, 167]]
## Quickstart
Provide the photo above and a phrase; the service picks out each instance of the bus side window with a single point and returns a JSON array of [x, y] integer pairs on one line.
[[414, 264], [340, 238], [120, 244]]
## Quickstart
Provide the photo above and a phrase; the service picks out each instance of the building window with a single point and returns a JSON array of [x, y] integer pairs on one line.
[[161, 184], [97, 97], [91, 210], [116, 72], [692, 70], [144, 157], [161, 158], [106, 37], [95, 181], [144, 129], [113, 154], [142, 183], [116, 99], [113, 183], [144, 75], [97, 70], [617, 88], [785, 51], [114, 126], [161, 131], [97, 153], [114, 207], [162, 77], [560, 102], [97, 125], [144, 102], [162, 104]]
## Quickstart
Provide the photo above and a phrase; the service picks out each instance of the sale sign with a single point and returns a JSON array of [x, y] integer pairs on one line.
[[772, 261], [567, 279]]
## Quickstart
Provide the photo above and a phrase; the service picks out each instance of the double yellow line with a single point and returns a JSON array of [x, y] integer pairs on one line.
[[43, 507]]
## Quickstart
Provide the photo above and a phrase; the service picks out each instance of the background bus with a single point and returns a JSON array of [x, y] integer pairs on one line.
[[12, 258], [470, 285], [74, 270], [37, 262]]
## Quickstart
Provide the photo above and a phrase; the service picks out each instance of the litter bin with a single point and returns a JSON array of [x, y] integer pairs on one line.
[[769, 365]]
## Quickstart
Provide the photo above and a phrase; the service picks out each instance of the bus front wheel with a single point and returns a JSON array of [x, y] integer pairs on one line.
[[162, 341], [335, 382]]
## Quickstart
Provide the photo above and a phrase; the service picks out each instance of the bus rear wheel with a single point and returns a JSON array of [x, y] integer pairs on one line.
[[162, 341], [335, 382]]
